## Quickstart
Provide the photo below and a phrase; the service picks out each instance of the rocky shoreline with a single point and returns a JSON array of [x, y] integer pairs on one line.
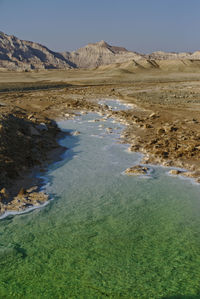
[[166, 135], [28, 145], [165, 144]]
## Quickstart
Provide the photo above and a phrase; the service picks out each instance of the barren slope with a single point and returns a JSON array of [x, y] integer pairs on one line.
[[18, 54], [101, 53]]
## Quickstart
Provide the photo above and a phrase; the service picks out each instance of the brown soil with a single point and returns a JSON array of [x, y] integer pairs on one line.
[[164, 122]]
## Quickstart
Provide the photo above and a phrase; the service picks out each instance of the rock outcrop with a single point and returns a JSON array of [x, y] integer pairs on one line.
[[24, 200], [175, 172], [16, 54], [137, 170]]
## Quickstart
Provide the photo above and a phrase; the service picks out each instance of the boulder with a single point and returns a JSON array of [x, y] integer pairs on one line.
[[137, 170], [153, 115], [30, 116], [161, 131], [175, 172], [147, 126], [76, 133], [173, 129]]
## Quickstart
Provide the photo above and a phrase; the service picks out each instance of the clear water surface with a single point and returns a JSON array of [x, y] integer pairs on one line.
[[105, 234]]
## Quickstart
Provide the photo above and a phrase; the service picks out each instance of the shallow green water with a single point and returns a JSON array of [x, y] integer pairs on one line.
[[104, 234]]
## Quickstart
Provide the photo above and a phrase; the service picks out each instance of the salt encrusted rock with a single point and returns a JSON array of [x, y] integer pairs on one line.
[[24, 199], [34, 188], [30, 116], [76, 133], [167, 163], [137, 170], [191, 174], [175, 172]]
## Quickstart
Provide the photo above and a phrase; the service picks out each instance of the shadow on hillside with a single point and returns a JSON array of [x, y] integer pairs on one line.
[[28, 148], [27, 86]]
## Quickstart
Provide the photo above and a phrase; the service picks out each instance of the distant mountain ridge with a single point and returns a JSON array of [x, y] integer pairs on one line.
[[171, 55], [17, 54]]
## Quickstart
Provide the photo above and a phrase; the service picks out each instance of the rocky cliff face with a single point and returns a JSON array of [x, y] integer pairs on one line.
[[18, 54]]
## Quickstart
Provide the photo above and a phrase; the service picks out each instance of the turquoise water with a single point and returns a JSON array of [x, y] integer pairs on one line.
[[105, 234]]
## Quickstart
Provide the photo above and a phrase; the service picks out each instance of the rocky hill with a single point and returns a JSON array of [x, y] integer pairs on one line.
[[101, 53], [173, 56], [132, 66], [18, 54]]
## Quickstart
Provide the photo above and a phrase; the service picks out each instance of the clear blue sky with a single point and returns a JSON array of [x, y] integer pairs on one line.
[[139, 25]]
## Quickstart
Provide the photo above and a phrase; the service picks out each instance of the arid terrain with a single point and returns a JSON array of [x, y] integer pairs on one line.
[[164, 122], [22, 55]]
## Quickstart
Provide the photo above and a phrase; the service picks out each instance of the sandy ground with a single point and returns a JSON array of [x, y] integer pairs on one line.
[[164, 123]]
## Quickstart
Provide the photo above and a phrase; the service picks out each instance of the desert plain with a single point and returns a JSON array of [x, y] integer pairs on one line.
[[163, 122]]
